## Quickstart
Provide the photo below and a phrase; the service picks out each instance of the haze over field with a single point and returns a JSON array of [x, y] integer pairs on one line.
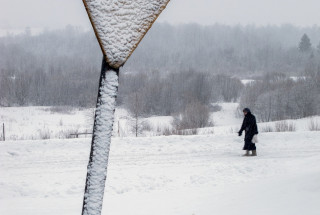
[[59, 13]]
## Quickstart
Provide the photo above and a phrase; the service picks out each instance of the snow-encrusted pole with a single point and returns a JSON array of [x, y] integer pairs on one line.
[[119, 27], [101, 139]]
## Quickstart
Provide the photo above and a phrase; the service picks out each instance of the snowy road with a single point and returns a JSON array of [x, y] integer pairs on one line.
[[200, 175]]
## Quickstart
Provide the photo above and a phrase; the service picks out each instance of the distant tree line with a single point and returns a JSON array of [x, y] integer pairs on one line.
[[174, 67], [53, 68], [278, 97], [235, 50], [166, 94]]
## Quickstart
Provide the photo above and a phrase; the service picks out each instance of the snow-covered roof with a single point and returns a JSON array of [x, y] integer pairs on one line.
[[121, 24]]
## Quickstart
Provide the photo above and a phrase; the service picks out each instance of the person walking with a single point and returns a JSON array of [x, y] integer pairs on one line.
[[250, 127]]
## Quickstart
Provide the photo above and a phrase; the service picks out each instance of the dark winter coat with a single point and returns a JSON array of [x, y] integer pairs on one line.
[[250, 127]]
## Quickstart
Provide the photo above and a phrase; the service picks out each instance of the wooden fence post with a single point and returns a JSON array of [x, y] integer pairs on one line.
[[119, 127], [3, 133]]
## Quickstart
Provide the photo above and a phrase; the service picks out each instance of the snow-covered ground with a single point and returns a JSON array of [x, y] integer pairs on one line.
[[176, 175], [28, 123], [33, 123], [247, 81]]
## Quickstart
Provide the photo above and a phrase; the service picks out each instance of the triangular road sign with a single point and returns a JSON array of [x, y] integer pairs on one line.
[[120, 25]]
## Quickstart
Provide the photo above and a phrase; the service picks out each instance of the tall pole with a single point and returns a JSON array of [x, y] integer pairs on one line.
[[3, 133], [101, 139]]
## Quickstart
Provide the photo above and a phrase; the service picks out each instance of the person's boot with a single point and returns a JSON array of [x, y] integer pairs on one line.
[[247, 153], [254, 153]]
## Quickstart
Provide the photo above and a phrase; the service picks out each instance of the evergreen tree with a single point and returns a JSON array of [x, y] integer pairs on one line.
[[305, 44]]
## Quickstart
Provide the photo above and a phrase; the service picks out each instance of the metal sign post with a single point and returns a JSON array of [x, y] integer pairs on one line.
[[101, 139], [119, 27]]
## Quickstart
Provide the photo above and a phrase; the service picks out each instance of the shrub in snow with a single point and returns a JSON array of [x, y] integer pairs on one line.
[[195, 115], [60, 109], [169, 132], [215, 108], [44, 134], [314, 125], [267, 128], [285, 126]]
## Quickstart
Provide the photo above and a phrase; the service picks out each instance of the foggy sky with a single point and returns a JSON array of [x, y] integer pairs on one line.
[[59, 13]]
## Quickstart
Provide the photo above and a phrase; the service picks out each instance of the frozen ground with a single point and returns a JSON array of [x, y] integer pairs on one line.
[[34, 123], [176, 175], [28, 123]]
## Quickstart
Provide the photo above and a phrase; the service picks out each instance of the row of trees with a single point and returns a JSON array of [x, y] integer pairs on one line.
[[236, 50], [175, 67], [185, 95], [167, 94], [53, 68], [305, 44], [278, 97]]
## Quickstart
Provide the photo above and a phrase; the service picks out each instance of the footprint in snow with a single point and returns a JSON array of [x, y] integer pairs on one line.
[[13, 153]]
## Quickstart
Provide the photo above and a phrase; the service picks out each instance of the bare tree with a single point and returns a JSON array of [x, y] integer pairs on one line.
[[195, 115], [136, 105]]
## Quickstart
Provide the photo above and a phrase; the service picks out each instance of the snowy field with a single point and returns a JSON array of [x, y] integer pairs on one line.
[[35, 123], [174, 175], [32, 123]]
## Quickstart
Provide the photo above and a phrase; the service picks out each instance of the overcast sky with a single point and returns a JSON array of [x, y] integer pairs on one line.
[[59, 13]]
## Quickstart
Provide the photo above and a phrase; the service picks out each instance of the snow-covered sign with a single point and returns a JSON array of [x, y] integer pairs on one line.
[[120, 25]]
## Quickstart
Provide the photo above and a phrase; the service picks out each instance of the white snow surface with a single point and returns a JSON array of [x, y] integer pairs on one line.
[[176, 175], [25, 123], [247, 81], [121, 24]]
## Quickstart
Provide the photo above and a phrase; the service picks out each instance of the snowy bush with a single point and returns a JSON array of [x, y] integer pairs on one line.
[[215, 108], [44, 134], [60, 109], [314, 125], [169, 132], [284, 126], [265, 129], [193, 131], [195, 115]]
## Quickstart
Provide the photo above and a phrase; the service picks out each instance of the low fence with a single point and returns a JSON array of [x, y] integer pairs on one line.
[[3, 135], [76, 135]]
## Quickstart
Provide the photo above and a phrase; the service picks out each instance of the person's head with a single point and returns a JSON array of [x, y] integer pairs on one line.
[[246, 111]]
